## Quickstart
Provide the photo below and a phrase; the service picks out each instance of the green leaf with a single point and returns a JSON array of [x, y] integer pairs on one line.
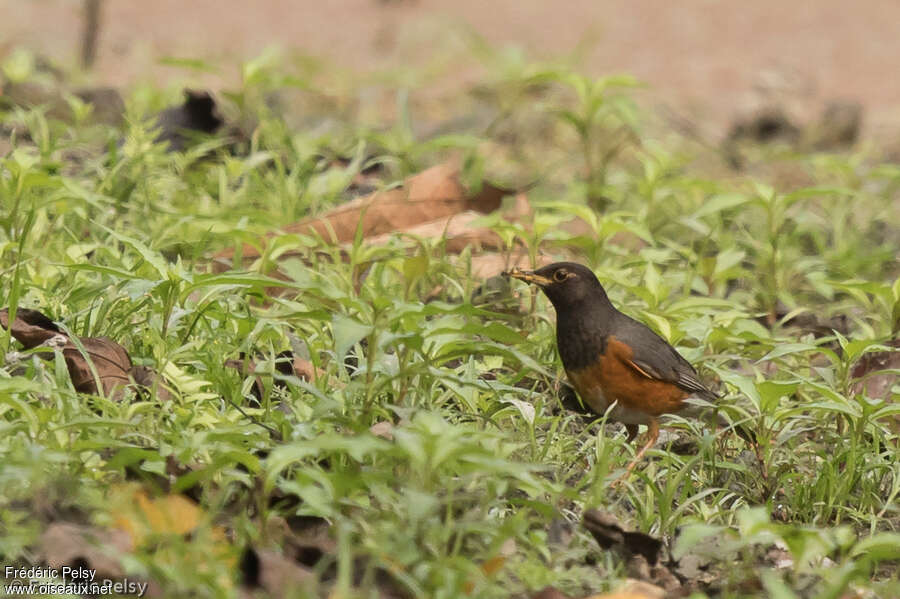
[[415, 267], [881, 547], [720, 203], [193, 64], [776, 587], [151, 257], [786, 349], [772, 391], [347, 333]]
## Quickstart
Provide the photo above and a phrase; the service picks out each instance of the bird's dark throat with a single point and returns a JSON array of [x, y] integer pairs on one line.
[[581, 336]]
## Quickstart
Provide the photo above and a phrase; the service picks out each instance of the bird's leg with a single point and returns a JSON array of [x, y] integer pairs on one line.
[[652, 436], [632, 430]]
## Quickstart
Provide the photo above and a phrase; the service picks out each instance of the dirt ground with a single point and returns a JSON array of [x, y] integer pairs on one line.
[[706, 58]]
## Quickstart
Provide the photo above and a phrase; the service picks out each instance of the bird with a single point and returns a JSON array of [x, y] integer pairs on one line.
[[612, 359]]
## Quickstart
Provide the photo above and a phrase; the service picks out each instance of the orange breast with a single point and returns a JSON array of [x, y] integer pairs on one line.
[[614, 378]]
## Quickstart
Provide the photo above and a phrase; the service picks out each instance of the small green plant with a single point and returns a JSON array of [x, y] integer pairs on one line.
[[476, 474]]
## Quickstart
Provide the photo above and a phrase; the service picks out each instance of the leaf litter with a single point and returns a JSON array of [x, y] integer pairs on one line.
[[88, 359], [433, 204]]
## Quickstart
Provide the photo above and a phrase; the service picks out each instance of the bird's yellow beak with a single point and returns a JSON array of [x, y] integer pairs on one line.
[[529, 276]]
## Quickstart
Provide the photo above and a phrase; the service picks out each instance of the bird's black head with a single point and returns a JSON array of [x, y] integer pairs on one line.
[[566, 284]]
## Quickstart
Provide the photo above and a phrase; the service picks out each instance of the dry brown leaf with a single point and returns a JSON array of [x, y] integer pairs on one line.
[[430, 196], [653, 575], [141, 516], [285, 363], [149, 379], [640, 552], [456, 229], [459, 231], [67, 544], [610, 534], [383, 429], [288, 364], [304, 542], [306, 538], [154, 521], [305, 370], [110, 360], [877, 385], [494, 564], [274, 573], [31, 328], [244, 368]]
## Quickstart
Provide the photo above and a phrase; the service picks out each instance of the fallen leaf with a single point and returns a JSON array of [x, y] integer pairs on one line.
[[31, 328], [305, 370], [148, 379], [634, 589], [157, 521], [68, 544], [285, 364], [428, 198], [308, 542], [111, 362], [655, 575], [610, 534], [274, 573], [494, 564], [140, 516], [383, 429], [456, 230], [640, 551], [877, 385], [245, 367]]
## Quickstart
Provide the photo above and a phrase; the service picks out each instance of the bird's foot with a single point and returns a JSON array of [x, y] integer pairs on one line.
[[652, 436]]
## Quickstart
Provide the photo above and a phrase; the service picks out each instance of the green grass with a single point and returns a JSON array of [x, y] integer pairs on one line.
[[114, 239]]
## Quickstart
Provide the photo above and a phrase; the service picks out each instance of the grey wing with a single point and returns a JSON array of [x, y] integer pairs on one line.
[[659, 360]]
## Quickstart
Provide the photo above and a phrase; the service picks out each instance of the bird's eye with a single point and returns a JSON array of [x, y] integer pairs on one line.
[[560, 275]]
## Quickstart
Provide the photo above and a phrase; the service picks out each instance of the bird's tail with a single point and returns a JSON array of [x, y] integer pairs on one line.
[[709, 412]]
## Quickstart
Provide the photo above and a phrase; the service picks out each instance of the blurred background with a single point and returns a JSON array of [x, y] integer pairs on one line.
[[705, 60]]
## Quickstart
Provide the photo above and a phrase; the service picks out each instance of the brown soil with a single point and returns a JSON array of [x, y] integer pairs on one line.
[[702, 57]]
